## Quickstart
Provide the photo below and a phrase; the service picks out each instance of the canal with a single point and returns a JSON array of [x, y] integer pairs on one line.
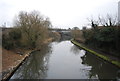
[[64, 60]]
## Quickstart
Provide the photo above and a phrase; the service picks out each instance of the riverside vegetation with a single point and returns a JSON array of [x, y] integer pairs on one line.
[[30, 31], [104, 38]]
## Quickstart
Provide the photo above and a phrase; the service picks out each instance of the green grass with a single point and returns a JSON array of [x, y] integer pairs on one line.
[[117, 63]]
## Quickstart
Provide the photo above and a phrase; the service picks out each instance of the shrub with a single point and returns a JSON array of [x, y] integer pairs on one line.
[[7, 43]]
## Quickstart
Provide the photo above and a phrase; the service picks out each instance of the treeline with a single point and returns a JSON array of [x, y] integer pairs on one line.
[[30, 31], [105, 37]]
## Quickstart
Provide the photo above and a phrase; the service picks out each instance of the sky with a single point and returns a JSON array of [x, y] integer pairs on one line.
[[62, 13]]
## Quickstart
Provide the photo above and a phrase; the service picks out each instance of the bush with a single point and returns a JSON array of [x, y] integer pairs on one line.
[[15, 34], [7, 43], [106, 34], [105, 38]]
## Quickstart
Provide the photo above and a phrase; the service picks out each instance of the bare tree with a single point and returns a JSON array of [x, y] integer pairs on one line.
[[93, 23], [108, 21], [33, 27]]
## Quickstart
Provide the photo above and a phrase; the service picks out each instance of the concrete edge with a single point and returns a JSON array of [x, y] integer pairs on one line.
[[14, 68], [114, 62]]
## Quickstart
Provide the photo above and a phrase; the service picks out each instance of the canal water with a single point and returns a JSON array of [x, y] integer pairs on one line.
[[64, 60]]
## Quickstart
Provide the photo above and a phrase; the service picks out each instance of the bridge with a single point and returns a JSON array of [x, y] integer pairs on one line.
[[65, 34]]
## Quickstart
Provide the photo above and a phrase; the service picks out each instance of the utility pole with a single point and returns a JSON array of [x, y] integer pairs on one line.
[[116, 36], [119, 13]]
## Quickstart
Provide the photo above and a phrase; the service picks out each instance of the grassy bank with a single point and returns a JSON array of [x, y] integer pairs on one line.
[[117, 63]]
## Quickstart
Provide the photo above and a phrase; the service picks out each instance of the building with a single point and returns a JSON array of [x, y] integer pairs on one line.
[[119, 12]]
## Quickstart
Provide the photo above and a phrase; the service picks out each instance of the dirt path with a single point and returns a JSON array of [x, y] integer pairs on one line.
[[10, 59]]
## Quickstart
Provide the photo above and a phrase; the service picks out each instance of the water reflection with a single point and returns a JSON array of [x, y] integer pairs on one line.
[[77, 51], [66, 61], [36, 66], [64, 37], [100, 68], [95, 67]]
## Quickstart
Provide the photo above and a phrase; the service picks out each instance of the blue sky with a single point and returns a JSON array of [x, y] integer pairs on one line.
[[62, 13]]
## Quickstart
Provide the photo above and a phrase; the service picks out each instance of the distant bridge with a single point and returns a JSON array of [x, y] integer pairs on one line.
[[65, 34]]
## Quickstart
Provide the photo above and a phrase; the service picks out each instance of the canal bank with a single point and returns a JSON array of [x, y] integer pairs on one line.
[[8, 72], [104, 57], [11, 61]]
